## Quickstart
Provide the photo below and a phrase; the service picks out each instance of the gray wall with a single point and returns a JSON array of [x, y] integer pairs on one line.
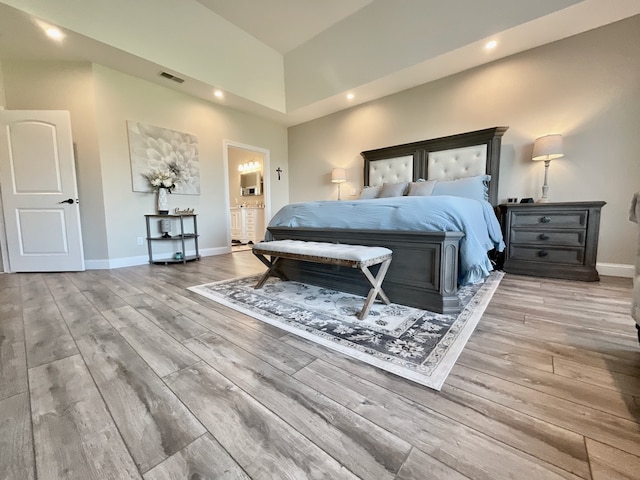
[[586, 87], [67, 86], [101, 101]]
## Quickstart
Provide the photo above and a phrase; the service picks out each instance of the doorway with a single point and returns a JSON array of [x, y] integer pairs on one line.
[[248, 194]]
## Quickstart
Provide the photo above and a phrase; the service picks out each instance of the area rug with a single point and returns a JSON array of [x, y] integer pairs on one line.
[[416, 344]]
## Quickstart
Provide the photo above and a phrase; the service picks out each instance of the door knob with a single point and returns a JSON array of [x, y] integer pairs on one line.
[[70, 201]]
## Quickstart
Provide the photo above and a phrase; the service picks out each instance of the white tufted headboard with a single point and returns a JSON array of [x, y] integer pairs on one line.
[[457, 163], [445, 158], [391, 170]]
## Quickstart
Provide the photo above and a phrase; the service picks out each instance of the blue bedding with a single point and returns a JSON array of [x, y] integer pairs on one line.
[[474, 218]]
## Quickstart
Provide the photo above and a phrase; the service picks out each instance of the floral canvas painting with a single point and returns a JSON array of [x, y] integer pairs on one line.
[[162, 153]]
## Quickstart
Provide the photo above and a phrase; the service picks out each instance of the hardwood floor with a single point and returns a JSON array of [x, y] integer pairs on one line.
[[126, 374]]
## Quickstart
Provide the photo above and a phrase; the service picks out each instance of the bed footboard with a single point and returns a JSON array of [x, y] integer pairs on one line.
[[423, 273]]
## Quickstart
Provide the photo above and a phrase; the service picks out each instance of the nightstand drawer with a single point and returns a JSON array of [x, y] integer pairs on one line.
[[550, 219], [573, 256], [571, 238]]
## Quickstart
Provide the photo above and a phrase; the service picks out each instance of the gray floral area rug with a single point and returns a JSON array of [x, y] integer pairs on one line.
[[419, 345]]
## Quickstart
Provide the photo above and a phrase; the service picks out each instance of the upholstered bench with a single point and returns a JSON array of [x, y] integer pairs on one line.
[[343, 255]]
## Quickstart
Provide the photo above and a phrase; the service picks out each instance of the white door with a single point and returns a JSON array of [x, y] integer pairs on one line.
[[39, 192]]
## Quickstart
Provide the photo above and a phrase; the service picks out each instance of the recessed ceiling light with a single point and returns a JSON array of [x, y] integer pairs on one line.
[[491, 45], [350, 96], [50, 31], [54, 33], [218, 93]]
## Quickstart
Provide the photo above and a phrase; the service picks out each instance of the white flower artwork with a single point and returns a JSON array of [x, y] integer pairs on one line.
[[155, 151]]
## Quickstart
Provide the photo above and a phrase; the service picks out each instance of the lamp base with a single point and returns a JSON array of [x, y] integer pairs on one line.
[[545, 186]]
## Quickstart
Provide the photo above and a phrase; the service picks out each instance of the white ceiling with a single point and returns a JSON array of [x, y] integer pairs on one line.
[[318, 49], [284, 24]]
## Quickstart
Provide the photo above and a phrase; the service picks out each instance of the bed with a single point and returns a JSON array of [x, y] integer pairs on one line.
[[429, 261]]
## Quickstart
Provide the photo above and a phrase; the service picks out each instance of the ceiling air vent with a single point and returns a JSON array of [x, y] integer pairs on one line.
[[171, 77]]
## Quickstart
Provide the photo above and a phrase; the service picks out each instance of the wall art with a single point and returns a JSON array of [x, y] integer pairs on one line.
[[160, 152]]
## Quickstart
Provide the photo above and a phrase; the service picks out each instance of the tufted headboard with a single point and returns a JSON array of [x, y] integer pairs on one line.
[[446, 158]]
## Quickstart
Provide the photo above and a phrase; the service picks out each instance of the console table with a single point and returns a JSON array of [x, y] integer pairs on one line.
[[183, 239]]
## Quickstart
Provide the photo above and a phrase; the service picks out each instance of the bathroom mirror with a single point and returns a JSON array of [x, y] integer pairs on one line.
[[250, 184]]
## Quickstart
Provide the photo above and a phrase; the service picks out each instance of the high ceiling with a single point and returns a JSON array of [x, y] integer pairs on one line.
[[294, 60], [284, 24]]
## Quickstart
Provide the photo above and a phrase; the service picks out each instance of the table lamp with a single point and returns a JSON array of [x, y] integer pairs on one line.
[[547, 148], [338, 175]]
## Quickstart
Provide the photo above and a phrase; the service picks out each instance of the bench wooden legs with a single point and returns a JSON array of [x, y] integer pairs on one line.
[[376, 290], [375, 282], [271, 265]]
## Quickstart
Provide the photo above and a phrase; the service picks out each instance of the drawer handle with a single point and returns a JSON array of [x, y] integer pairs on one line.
[[545, 219], [542, 253], [543, 237]]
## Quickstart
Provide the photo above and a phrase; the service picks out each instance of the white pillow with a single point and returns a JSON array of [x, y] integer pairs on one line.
[[422, 188], [370, 192], [470, 187], [393, 189]]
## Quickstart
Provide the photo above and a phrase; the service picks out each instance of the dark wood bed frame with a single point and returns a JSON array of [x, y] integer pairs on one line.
[[424, 269]]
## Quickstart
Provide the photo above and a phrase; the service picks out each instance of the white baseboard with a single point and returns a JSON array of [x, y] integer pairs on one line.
[[109, 264], [607, 269], [616, 270], [96, 264], [209, 252]]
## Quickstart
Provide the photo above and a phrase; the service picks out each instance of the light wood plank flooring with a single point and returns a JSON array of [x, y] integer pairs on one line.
[[126, 374]]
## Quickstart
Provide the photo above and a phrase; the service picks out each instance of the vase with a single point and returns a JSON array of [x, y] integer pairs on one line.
[[163, 202]]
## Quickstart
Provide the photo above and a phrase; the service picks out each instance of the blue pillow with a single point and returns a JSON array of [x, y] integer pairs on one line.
[[476, 188]]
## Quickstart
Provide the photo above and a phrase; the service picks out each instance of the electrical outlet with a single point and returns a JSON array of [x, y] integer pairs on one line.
[[353, 192], [140, 240]]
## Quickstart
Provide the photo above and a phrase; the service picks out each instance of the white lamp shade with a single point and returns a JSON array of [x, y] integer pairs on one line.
[[548, 147], [338, 175]]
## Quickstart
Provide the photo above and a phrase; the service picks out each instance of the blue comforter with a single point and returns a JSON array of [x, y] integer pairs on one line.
[[474, 218]]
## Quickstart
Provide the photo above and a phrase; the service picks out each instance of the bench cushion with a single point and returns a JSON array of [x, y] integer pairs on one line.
[[340, 251]]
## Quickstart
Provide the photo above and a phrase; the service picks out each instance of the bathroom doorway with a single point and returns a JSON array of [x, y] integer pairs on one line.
[[248, 196]]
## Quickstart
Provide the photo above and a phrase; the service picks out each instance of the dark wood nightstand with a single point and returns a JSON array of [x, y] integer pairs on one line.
[[557, 240]]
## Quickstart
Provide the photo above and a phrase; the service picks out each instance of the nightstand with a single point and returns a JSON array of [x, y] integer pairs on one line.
[[557, 240]]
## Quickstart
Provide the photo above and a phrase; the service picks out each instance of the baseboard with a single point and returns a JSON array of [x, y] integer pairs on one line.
[[209, 252], [616, 270], [96, 264], [109, 264]]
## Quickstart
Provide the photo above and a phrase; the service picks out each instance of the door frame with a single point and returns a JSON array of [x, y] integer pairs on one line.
[[266, 180], [4, 253]]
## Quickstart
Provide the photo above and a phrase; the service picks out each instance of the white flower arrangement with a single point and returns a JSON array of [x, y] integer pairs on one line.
[[166, 178]]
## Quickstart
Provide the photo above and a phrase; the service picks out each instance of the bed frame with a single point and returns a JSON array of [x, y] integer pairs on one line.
[[424, 269]]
